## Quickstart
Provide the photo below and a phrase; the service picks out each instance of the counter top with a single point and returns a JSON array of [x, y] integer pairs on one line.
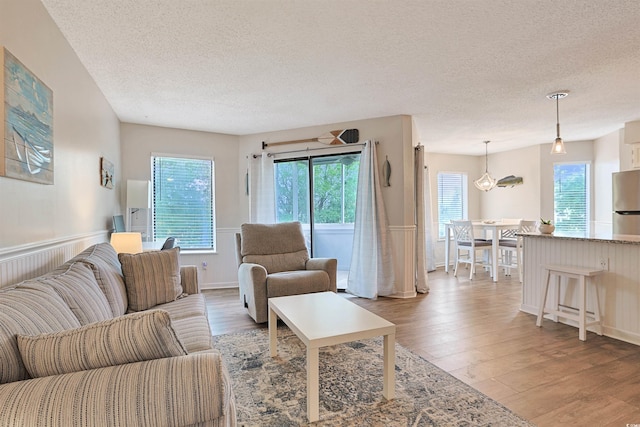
[[593, 237]]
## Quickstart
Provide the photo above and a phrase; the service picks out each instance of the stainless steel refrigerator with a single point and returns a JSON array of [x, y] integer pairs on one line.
[[626, 202]]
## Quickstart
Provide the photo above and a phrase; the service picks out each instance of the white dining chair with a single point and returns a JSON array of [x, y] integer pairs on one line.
[[467, 246], [512, 244]]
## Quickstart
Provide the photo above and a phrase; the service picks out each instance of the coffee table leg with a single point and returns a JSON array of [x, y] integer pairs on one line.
[[312, 384], [273, 332], [389, 375]]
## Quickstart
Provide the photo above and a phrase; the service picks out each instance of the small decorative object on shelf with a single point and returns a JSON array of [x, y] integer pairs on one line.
[[546, 227]]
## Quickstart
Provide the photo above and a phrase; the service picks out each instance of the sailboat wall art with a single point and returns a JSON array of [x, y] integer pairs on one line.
[[26, 107]]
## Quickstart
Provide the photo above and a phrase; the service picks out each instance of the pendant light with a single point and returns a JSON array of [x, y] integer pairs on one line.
[[558, 145], [485, 182]]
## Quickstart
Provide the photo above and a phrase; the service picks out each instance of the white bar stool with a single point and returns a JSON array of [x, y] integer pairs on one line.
[[582, 275]]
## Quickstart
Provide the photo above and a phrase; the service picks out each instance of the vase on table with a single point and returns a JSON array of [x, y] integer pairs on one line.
[[546, 228]]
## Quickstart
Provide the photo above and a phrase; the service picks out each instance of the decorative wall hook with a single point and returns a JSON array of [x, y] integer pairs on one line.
[[386, 173]]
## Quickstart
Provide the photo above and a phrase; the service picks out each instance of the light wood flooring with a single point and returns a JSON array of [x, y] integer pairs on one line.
[[475, 331]]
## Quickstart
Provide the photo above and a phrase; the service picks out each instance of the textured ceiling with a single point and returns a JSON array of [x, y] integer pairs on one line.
[[467, 70]]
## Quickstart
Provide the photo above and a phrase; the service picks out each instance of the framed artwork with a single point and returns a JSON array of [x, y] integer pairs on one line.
[[26, 111], [106, 173]]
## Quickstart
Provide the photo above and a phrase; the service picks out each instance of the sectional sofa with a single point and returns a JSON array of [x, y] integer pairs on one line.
[[108, 340]]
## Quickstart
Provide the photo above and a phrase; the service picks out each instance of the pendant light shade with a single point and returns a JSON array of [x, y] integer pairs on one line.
[[486, 182], [558, 145]]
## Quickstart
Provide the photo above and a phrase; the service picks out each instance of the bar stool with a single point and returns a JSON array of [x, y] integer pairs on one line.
[[582, 275]]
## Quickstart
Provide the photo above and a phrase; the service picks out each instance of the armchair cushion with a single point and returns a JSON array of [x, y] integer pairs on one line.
[[297, 282], [125, 339], [277, 247], [280, 262], [151, 278]]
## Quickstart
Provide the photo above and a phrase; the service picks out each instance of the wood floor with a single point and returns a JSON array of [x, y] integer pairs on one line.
[[474, 330]]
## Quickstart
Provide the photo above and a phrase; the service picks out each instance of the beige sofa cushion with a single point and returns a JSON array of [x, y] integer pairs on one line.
[[151, 278], [129, 338], [28, 312], [103, 260], [77, 286]]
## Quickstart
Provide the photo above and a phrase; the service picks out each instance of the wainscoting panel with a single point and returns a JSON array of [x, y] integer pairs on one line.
[[404, 256], [24, 262], [618, 285]]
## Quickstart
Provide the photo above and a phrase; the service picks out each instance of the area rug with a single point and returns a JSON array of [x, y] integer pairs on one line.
[[272, 391]]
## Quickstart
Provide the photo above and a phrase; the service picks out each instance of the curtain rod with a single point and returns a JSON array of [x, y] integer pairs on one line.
[[311, 149]]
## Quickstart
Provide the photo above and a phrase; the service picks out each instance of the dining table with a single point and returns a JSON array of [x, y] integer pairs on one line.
[[492, 227]]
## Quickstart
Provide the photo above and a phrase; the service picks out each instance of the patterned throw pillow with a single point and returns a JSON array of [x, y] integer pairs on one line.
[[151, 278], [125, 339]]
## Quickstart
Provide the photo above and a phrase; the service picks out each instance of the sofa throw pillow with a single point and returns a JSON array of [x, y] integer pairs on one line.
[[151, 278], [129, 338]]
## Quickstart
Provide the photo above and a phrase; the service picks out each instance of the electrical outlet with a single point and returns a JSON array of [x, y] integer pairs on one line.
[[604, 263], [204, 265]]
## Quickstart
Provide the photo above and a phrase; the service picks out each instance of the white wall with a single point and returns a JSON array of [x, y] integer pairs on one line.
[[85, 128], [520, 201], [230, 153], [437, 162], [140, 141], [396, 142], [606, 162]]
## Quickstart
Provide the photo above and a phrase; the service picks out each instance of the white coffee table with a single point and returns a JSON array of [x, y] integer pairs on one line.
[[323, 319]]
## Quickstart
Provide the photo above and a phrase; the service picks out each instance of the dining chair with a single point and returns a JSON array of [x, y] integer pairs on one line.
[[508, 239], [513, 245], [467, 246]]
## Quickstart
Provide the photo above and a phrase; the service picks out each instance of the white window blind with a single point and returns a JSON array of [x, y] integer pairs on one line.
[[452, 199], [183, 201], [571, 198]]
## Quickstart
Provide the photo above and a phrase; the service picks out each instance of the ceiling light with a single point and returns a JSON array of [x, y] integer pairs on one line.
[[558, 145], [485, 182]]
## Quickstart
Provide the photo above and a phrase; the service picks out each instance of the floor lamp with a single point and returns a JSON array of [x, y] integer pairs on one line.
[[138, 197]]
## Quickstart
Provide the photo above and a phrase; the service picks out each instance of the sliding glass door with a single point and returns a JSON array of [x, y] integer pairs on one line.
[[320, 192]]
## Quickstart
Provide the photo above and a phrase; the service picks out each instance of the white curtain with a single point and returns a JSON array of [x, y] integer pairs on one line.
[[262, 205], [428, 222], [371, 272], [423, 221]]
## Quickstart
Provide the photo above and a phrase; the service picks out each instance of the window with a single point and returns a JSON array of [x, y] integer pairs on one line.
[[320, 192], [571, 204], [452, 199], [183, 201], [334, 185]]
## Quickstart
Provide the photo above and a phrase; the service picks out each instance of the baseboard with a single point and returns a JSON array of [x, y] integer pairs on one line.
[[607, 331], [219, 285]]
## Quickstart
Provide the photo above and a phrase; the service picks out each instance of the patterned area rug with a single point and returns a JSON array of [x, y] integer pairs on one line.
[[272, 391]]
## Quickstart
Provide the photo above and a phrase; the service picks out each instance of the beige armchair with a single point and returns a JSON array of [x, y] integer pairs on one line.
[[273, 261]]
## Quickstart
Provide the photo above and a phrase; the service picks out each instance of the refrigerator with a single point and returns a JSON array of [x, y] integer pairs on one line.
[[626, 202]]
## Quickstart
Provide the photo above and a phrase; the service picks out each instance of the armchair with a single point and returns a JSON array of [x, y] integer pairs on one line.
[[273, 261]]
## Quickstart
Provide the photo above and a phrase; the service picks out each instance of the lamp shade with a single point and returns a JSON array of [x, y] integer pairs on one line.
[[558, 147], [486, 182], [128, 243], [138, 194]]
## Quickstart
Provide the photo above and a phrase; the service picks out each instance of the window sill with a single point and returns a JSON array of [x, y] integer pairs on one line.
[[198, 252]]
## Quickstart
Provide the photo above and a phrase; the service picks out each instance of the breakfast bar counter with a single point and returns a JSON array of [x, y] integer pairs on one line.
[[618, 286]]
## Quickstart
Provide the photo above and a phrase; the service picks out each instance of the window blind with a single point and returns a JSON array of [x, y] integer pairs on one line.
[[571, 198], [183, 201], [451, 199]]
